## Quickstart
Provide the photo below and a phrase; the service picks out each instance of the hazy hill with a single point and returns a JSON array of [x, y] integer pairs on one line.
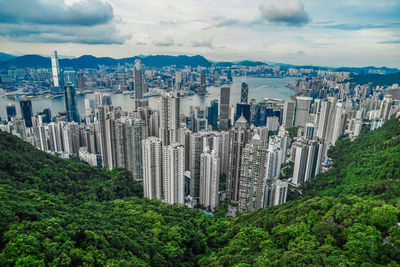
[[5, 57], [376, 79], [87, 61]]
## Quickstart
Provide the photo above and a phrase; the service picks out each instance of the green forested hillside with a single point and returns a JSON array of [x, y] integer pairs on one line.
[[64, 213]]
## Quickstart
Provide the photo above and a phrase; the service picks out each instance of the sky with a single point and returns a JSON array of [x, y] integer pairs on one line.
[[315, 32]]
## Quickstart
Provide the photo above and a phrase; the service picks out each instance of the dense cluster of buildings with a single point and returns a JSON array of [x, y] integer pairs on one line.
[[220, 152]]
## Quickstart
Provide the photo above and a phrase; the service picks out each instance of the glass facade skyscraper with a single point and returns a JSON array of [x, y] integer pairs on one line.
[[70, 102], [224, 108], [26, 110], [244, 93], [138, 79], [11, 111], [212, 115], [242, 109]]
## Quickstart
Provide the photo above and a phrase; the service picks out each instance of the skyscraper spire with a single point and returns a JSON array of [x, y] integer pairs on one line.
[[138, 72]]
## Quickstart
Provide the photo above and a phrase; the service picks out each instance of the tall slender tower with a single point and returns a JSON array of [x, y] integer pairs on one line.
[[26, 110], [303, 104], [275, 192], [196, 148], [173, 168], [57, 81], [212, 114], [288, 113], [209, 178], [70, 102], [224, 108], [152, 168], [244, 93], [308, 160], [238, 138], [138, 79], [252, 175], [178, 80], [169, 118], [386, 105]]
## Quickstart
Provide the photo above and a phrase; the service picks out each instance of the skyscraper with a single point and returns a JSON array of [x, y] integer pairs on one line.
[[327, 119], [11, 111], [242, 109], [152, 168], [196, 148], [252, 175], [70, 103], [26, 110], [221, 143], [45, 115], [274, 158], [303, 104], [79, 80], [308, 160], [339, 123], [275, 192], [310, 131], [244, 93], [57, 82], [209, 178], [288, 113], [203, 79], [178, 80], [300, 163], [169, 117], [138, 73], [238, 138], [224, 108], [70, 77], [199, 121], [137, 131], [212, 114], [386, 105], [173, 173]]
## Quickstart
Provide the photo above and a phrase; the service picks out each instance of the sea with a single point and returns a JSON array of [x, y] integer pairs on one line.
[[259, 88]]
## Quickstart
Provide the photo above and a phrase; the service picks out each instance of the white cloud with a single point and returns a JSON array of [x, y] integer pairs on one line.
[[169, 41], [85, 22], [240, 29], [205, 43], [290, 12]]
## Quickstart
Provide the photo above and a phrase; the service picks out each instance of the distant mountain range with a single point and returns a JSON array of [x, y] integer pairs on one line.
[[5, 57], [88, 61]]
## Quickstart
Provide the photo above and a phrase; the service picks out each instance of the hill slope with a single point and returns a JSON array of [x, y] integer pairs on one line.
[[5, 57], [376, 79], [62, 212]]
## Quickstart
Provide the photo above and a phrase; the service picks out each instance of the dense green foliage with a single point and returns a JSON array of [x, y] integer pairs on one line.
[[376, 79], [287, 170], [60, 213], [369, 166], [293, 132]]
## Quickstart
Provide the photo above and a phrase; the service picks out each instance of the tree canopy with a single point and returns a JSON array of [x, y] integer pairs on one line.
[[60, 212]]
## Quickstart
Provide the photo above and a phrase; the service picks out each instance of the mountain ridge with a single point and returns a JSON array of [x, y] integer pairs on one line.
[[158, 61], [5, 57]]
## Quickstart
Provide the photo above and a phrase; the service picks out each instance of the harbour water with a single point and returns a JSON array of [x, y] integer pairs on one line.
[[258, 89]]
